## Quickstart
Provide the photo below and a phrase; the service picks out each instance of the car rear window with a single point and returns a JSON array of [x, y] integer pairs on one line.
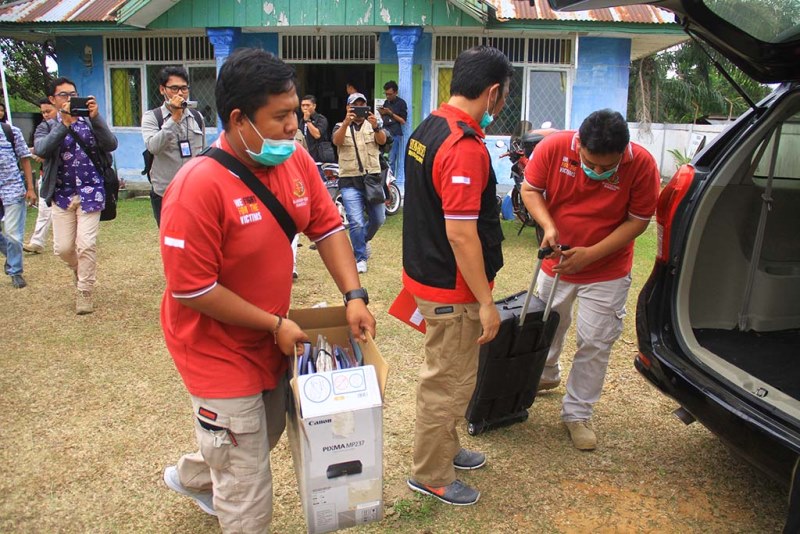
[[772, 21], [787, 164]]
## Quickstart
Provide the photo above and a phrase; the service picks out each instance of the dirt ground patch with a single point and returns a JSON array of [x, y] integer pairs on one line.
[[94, 410]]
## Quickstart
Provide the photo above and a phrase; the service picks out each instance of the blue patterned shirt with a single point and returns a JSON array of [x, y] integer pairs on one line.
[[12, 183], [76, 174]]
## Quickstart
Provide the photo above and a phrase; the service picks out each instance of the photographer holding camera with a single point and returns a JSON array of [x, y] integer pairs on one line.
[[358, 138], [71, 184], [173, 134]]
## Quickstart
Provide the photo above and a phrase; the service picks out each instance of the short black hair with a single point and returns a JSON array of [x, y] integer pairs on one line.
[[172, 70], [477, 68], [44, 100], [605, 132], [246, 80], [61, 80], [310, 97], [391, 84], [5, 115]]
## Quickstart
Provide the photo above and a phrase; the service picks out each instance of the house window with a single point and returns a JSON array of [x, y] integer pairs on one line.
[[126, 90], [133, 64], [539, 86], [548, 98]]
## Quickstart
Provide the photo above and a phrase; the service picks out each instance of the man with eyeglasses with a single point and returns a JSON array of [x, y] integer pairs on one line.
[[72, 186], [44, 216], [595, 191], [171, 135]]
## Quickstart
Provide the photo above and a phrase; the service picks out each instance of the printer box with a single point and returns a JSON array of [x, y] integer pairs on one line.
[[335, 428]]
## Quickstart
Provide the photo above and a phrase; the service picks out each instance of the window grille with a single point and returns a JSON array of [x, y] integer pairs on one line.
[[163, 48], [350, 48], [124, 49], [520, 50], [126, 101], [508, 120]]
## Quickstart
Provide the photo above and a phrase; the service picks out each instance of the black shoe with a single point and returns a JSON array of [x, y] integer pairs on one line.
[[294, 276], [17, 281], [313, 246]]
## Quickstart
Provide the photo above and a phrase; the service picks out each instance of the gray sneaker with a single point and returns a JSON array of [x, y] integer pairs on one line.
[[17, 281], [204, 499], [456, 493], [468, 460]]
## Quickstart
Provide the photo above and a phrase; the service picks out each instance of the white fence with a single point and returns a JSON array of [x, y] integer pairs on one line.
[[664, 137]]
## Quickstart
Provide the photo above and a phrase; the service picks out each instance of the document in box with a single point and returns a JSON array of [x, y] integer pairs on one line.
[[338, 391]]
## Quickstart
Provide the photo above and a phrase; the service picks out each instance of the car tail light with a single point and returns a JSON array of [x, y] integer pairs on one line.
[[645, 361], [668, 202]]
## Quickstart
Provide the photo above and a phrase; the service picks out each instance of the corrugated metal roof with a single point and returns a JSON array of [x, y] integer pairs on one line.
[[61, 11], [540, 10]]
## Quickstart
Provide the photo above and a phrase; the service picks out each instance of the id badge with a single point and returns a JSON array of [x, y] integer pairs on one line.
[[186, 149]]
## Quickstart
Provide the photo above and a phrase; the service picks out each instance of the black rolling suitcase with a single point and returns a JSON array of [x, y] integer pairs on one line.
[[512, 363]]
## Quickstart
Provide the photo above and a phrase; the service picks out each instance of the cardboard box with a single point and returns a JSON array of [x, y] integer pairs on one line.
[[335, 427]]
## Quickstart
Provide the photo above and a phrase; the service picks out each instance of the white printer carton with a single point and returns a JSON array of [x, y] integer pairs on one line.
[[335, 428]]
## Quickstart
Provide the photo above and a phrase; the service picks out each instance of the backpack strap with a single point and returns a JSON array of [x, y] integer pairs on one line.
[[262, 191], [159, 115], [9, 135]]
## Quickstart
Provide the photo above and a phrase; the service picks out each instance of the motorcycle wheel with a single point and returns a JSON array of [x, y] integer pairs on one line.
[[340, 207], [393, 200], [520, 211]]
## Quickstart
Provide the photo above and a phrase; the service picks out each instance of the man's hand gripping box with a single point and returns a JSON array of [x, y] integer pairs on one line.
[[335, 427]]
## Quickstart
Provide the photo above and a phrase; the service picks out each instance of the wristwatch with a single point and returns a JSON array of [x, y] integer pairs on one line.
[[359, 293]]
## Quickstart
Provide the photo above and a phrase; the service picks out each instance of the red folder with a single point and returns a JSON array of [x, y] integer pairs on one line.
[[405, 308]]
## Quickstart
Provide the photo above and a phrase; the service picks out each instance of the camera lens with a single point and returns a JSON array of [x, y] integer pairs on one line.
[[184, 104]]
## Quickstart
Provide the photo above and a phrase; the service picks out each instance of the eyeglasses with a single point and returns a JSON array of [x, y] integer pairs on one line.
[[176, 88], [65, 94]]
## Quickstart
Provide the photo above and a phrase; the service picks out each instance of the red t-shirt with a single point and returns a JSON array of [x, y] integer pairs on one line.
[[214, 230], [586, 211], [460, 174]]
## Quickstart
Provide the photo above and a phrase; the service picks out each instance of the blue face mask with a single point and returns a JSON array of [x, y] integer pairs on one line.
[[486, 120], [272, 152], [592, 175]]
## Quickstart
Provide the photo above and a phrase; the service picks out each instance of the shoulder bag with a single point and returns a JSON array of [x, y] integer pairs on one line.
[[373, 184]]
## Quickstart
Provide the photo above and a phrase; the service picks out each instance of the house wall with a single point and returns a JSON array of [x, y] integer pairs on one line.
[[601, 80], [90, 80]]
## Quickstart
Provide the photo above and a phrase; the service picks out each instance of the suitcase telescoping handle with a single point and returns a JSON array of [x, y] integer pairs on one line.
[[541, 255]]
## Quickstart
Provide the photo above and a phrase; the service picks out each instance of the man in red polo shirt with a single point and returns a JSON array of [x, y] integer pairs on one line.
[[595, 191], [451, 253], [228, 267]]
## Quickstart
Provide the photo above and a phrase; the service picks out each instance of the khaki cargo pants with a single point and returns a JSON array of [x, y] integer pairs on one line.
[[237, 466], [446, 383]]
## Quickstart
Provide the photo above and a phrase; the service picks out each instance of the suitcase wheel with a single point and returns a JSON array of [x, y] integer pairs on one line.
[[474, 429]]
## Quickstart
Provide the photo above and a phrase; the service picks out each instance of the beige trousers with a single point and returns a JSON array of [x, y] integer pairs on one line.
[[75, 242], [446, 383], [234, 461]]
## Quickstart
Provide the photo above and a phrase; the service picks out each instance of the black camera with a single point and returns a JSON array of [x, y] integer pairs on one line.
[[79, 106], [361, 111]]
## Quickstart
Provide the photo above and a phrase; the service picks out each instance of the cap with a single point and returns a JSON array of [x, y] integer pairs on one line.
[[355, 96]]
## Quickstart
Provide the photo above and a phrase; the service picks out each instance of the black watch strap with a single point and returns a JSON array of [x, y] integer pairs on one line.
[[359, 293]]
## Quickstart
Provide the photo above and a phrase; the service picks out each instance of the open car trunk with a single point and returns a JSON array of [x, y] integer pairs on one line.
[[738, 304]]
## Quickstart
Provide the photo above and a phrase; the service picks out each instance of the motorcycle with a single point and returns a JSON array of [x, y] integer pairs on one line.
[[331, 173], [390, 189], [522, 144]]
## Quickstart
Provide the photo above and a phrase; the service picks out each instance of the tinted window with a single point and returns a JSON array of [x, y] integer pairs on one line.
[[772, 21], [787, 164]]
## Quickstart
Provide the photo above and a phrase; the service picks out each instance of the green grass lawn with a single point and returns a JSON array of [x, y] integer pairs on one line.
[[94, 411]]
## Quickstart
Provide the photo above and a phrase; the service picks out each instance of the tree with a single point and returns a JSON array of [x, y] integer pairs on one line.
[[27, 76]]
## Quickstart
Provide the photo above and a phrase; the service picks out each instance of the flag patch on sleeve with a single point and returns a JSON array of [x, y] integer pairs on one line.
[[174, 242], [464, 180]]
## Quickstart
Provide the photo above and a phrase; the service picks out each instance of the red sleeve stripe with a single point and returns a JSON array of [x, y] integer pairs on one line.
[[194, 294]]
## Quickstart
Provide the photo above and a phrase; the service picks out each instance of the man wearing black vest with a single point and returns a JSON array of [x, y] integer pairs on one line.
[[173, 133], [451, 254]]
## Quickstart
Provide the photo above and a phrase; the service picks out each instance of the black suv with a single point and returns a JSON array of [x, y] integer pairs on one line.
[[718, 321]]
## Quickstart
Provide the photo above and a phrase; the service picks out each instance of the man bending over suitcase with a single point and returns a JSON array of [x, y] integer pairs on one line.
[[451, 253], [595, 191]]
